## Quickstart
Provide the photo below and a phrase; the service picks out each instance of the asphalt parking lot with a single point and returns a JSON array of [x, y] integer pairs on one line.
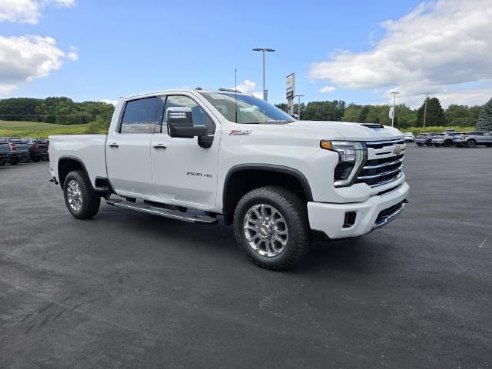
[[130, 290]]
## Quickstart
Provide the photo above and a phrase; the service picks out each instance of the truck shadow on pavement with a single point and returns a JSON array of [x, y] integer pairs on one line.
[[361, 255]]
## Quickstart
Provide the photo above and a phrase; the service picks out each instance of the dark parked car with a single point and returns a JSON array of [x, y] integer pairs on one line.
[[38, 149], [18, 150], [473, 139], [4, 151]]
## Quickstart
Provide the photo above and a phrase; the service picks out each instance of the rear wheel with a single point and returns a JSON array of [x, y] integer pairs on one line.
[[14, 161], [81, 200], [448, 143], [271, 227], [471, 143]]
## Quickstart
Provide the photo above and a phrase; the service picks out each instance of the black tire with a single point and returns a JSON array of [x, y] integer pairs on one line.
[[448, 143], [488, 145], [85, 203], [471, 143], [419, 144], [35, 159], [14, 161], [293, 212], [437, 145]]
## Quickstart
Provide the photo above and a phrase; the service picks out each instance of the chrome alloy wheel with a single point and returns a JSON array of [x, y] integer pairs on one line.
[[266, 230], [74, 195]]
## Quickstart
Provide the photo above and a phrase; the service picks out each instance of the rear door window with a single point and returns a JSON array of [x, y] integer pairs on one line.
[[142, 115]]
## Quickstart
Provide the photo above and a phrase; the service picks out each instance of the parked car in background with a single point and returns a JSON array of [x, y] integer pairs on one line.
[[425, 138], [473, 139], [4, 151], [18, 150], [445, 139], [408, 137], [38, 149]]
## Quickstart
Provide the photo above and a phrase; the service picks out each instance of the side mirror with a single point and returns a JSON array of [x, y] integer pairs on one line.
[[180, 124]]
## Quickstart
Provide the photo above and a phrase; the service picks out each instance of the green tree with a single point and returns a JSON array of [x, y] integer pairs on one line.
[[363, 114], [484, 122], [352, 113], [324, 110], [405, 116], [434, 115]]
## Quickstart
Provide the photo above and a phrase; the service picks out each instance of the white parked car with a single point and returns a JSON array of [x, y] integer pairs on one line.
[[198, 156], [408, 137]]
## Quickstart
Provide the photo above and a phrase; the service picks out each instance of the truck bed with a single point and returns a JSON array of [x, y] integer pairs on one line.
[[88, 149]]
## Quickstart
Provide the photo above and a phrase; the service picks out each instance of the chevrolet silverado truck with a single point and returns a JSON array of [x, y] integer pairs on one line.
[[200, 156]]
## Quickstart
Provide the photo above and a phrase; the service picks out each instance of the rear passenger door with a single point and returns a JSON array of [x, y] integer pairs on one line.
[[128, 156]]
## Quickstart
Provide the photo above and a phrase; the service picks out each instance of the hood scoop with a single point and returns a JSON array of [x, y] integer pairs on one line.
[[373, 125]]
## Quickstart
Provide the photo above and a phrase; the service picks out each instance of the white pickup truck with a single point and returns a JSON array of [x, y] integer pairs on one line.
[[198, 155]]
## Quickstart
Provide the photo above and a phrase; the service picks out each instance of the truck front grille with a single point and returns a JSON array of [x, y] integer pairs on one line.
[[377, 172]]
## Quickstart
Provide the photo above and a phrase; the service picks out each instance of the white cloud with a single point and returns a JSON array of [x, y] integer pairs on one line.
[[327, 89], [27, 11], [248, 87], [23, 11], [24, 58], [436, 48], [109, 101]]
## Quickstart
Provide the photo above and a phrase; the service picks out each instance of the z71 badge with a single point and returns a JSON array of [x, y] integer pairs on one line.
[[240, 132]]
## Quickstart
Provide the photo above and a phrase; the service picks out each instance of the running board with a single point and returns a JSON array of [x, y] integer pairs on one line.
[[173, 214]]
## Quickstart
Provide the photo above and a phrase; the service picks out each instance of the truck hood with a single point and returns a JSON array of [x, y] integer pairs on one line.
[[343, 131]]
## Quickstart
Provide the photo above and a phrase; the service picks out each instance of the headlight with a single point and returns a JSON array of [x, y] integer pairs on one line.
[[351, 156]]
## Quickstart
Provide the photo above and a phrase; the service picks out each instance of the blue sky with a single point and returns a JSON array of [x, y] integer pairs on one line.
[[105, 49]]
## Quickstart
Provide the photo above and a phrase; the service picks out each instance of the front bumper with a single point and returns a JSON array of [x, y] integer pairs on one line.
[[374, 213]]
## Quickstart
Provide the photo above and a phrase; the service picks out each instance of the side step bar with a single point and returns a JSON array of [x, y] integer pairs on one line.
[[173, 214]]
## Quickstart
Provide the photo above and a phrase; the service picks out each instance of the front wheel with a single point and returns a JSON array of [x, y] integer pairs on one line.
[[471, 143], [81, 200], [271, 227]]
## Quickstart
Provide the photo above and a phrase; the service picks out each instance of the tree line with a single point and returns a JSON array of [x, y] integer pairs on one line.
[[433, 113], [62, 110], [57, 110]]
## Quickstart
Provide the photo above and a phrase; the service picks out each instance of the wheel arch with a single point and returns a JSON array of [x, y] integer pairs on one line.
[[245, 177], [67, 164]]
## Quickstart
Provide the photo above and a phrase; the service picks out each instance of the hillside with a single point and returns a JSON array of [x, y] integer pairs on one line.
[[36, 129]]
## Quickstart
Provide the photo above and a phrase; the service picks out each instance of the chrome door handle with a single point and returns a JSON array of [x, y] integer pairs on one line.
[[160, 146], [114, 145]]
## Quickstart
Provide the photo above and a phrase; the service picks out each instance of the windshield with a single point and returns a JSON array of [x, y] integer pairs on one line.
[[246, 109]]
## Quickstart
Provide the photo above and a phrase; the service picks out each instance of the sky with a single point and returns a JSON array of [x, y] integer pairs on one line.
[[356, 51]]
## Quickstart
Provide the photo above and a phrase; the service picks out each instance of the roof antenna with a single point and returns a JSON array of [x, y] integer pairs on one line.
[[235, 93]]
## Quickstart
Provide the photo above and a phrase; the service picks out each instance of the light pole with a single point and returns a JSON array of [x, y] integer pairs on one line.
[[264, 50], [425, 107], [298, 106], [393, 115]]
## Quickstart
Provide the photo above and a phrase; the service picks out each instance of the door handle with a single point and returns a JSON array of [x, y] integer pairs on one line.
[[114, 145], [160, 146]]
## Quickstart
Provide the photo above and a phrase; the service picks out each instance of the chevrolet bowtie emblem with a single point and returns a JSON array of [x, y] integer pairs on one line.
[[397, 150]]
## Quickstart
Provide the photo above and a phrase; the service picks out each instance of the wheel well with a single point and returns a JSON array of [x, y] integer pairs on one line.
[[240, 182], [67, 165]]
